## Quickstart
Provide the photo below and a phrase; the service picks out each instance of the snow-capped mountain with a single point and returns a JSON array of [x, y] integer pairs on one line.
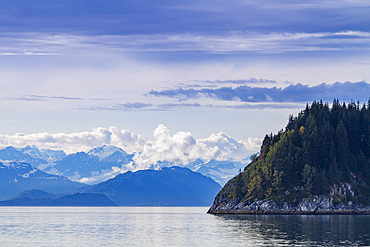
[[13, 154], [220, 171], [44, 154], [103, 163], [40, 159], [109, 153], [16, 177], [97, 165]]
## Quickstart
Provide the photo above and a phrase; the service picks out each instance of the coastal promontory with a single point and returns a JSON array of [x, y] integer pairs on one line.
[[319, 164]]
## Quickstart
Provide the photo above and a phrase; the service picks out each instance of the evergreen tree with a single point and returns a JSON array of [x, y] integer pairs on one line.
[[319, 148], [238, 188]]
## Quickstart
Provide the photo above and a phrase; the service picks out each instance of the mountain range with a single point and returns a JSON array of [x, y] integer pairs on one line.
[[170, 186], [103, 163], [16, 177], [42, 198], [173, 186], [102, 177]]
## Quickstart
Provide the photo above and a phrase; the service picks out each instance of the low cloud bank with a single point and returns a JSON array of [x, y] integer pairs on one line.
[[76, 142], [179, 148]]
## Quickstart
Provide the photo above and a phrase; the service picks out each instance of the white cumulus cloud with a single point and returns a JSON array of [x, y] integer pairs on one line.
[[76, 142], [182, 148]]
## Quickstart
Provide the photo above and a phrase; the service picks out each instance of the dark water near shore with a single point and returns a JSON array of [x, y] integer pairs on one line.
[[189, 226]]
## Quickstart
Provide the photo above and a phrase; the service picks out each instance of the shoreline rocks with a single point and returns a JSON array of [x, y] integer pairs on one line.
[[314, 205]]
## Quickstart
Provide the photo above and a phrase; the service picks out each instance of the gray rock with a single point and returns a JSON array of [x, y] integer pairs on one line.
[[313, 205]]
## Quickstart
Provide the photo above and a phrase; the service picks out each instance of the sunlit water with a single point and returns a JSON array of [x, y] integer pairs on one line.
[[167, 226]]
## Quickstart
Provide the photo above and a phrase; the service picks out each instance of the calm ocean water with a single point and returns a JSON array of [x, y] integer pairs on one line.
[[172, 226]]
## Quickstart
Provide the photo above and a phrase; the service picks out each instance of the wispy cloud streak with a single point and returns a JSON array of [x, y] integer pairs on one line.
[[33, 97], [177, 106], [291, 93], [269, 43], [238, 82], [119, 107]]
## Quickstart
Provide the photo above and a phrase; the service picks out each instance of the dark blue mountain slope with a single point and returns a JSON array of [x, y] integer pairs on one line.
[[174, 186]]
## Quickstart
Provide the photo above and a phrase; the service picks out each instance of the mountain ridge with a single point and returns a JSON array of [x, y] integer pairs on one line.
[[19, 176], [102, 163], [169, 186], [41, 198]]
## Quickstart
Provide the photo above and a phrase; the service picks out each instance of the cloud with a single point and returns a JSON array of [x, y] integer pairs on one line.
[[170, 106], [202, 16], [52, 97], [216, 83], [260, 106], [100, 176], [136, 105], [176, 106], [292, 93], [312, 4], [179, 148], [230, 147], [119, 107], [182, 148], [33, 97], [226, 43], [240, 81], [75, 142], [235, 82]]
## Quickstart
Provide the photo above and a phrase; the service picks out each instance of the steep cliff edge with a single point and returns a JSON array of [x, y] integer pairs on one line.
[[320, 164]]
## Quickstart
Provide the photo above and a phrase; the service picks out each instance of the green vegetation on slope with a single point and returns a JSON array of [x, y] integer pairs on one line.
[[322, 151]]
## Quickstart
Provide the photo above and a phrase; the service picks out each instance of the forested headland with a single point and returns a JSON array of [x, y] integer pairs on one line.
[[323, 153]]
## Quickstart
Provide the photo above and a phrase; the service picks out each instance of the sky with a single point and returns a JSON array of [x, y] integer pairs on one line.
[[171, 75]]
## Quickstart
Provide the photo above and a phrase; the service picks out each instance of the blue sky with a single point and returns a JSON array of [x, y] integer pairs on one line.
[[204, 67]]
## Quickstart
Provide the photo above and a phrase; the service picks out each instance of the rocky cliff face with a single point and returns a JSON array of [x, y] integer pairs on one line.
[[313, 205]]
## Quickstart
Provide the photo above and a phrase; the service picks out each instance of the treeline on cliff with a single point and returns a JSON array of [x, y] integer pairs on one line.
[[322, 148]]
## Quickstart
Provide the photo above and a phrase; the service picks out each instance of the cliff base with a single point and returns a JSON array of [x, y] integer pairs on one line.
[[313, 205]]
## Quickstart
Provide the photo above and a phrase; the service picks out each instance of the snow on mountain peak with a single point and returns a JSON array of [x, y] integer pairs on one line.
[[105, 151], [44, 154], [32, 151]]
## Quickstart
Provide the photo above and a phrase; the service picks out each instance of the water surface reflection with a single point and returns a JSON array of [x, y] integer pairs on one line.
[[172, 226], [300, 230]]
